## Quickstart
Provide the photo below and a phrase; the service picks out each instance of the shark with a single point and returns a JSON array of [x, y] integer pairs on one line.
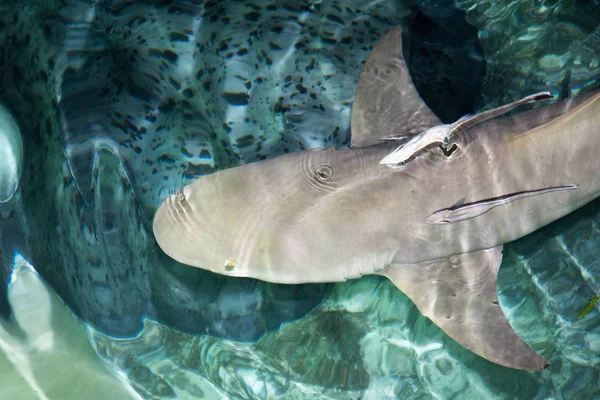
[[425, 204]]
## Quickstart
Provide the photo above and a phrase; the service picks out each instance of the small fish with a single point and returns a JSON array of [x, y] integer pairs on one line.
[[461, 211], [589, 307], [442, 135]]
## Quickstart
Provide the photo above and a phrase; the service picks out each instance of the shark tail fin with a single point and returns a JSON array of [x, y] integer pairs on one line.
[[458, 294]]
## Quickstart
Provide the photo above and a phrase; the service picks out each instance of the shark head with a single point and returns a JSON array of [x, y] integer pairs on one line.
[[269, 223]]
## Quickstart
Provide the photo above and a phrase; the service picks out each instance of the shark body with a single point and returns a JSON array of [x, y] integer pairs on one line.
[[336, 214]]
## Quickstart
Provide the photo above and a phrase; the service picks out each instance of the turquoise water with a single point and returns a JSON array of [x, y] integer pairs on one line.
[[119, 103]]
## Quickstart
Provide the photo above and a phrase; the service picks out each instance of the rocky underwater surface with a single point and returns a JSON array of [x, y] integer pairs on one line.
[[119, 103]]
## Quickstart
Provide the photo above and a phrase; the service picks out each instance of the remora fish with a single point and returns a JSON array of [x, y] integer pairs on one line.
[[337, 214], [461, 210]]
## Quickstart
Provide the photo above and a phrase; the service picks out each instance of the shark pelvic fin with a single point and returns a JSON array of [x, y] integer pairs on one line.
[[386, 89], [458, 293], [442, 135]]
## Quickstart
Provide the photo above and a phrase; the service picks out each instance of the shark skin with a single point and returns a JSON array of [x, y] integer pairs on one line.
[[336, 214]]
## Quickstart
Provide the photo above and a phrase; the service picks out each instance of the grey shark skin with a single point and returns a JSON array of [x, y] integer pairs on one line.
[[336, 214]]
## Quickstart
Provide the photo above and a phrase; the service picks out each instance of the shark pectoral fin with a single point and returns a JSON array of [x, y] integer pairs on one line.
[[386, 89], [458, 294]]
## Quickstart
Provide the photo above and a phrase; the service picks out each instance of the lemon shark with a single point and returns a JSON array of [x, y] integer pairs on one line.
[[429, 207]]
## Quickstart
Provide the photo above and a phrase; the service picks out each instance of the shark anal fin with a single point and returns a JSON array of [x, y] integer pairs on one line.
[[458, 293]]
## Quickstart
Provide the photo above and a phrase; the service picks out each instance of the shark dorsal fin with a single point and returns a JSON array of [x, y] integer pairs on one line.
[[387, 102]]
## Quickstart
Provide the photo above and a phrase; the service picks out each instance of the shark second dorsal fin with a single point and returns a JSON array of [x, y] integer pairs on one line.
[[458, 293], [387, 102]]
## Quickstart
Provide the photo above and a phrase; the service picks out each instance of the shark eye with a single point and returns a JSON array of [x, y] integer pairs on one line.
[[325, 173]]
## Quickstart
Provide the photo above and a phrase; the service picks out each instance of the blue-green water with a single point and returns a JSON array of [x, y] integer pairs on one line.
[[121, 102]]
